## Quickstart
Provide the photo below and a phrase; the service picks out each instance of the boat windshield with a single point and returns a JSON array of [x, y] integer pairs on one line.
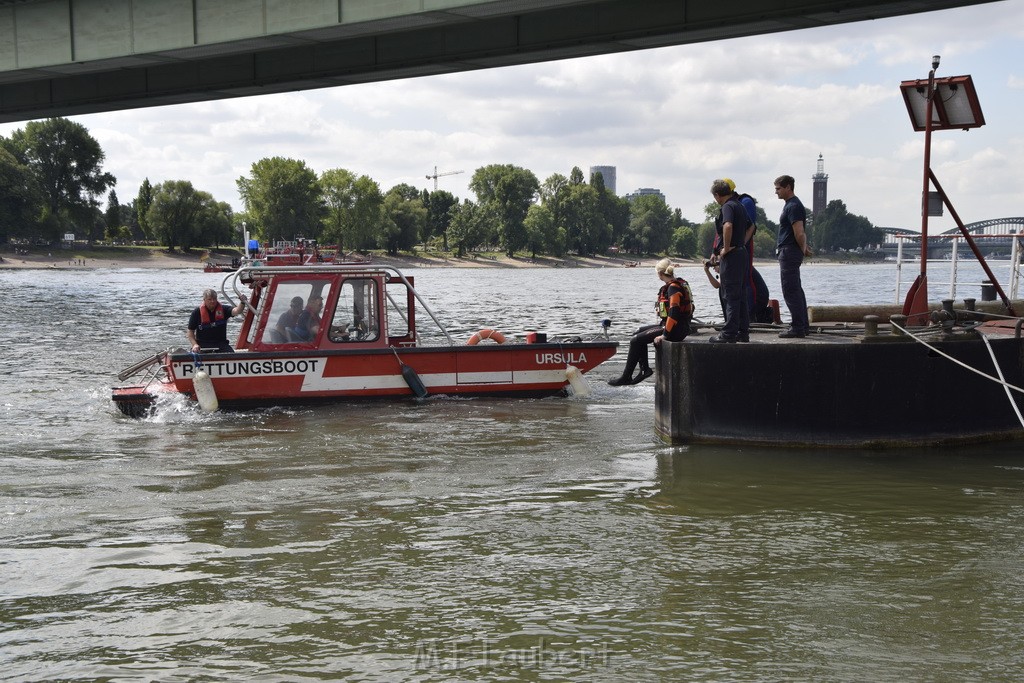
[[295, 313]]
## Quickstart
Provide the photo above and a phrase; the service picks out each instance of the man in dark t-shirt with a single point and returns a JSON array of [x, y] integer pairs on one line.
[[792, 247]]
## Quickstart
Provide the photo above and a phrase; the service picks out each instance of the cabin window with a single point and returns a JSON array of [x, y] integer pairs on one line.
[[397, 309], [296, 311], [355, 318]]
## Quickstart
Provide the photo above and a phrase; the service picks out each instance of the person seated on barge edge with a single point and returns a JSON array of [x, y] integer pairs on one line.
[[208, 324], [675, 309]]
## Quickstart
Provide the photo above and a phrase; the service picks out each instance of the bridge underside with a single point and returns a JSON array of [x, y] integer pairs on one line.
[[63, 57]]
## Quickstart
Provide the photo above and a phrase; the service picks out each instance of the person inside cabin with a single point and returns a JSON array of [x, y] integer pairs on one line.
[[308, 324], [674, 308], [208, 324], [289, 319]]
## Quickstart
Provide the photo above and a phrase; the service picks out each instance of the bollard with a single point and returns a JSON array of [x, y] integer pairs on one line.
[[988, 291], [871, 325], [949, 317], [900, 320], [969, 304]]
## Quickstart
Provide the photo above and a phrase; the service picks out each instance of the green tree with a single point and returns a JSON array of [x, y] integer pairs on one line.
[[542, 235], [67, 163], [20, 200], [836, 228], [650, 225], [553, 194], [405, 191], [404, 220], [143, 200], [614, 210], [117, 234], [283, 199], [113, 213], [706, 237], [215, 223], [130, 219], [585, 228], [438, 205], [468, 227], [184, 217], [353, 209], [684, 242], [506, 191]]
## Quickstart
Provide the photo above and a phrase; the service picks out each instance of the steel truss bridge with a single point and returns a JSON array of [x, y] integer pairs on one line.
[[995, 236]]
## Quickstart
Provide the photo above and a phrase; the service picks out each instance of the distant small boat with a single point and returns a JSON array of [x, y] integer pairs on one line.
[[211, 267]]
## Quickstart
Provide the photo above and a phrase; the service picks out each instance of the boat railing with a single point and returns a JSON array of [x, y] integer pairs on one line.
[[152, 369], [1014, 264], [249, 273]]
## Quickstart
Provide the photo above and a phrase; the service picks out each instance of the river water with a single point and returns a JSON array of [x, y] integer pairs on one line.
[[477, 540]]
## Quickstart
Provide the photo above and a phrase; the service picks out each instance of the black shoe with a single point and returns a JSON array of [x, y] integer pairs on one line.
[[723, 339], [744, 337], [793, 334], [644, 374], [620, 381]]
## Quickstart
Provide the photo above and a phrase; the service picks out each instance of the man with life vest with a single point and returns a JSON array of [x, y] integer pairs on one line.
[[675, 310], [208, 324]]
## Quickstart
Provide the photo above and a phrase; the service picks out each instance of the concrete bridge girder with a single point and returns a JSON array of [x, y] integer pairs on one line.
[[62, 57]]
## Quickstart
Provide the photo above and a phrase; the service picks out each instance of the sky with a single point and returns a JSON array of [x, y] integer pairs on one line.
[[674, 119]]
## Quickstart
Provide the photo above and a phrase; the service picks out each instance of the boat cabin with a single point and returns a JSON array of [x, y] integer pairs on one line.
[[327, 307]]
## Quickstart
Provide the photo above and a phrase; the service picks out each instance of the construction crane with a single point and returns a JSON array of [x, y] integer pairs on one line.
[[437, 175]]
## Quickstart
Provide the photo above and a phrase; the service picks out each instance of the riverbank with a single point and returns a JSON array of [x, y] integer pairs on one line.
[[161, 259], [143, 257]]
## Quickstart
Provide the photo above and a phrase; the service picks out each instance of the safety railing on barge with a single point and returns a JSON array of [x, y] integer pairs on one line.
[[1013, 265]]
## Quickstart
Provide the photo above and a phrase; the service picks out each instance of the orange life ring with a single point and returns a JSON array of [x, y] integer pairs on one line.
[[486, 333]]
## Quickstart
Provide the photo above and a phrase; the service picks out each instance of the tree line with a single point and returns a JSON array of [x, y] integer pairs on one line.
[[51, 179]]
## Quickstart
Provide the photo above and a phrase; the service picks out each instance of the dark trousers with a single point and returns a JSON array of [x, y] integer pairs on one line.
[[790, 259], [638, 344], [734, 273]]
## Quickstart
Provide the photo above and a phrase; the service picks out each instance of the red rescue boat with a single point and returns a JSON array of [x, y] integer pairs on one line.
[[366, 346]]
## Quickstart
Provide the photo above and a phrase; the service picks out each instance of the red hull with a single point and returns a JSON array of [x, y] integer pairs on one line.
[[247, 380]]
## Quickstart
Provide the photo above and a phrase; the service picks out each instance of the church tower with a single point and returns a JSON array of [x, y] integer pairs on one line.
[[820, 188]]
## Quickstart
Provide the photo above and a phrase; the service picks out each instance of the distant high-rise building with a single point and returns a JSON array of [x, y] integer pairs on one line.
[[608, 173], [820, 188], [645, 190]]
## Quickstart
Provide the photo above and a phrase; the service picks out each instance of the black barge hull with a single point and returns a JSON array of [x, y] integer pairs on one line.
[[837, 391]]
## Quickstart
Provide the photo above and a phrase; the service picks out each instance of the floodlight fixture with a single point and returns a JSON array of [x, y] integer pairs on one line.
[[954, 103], [940, 104]]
